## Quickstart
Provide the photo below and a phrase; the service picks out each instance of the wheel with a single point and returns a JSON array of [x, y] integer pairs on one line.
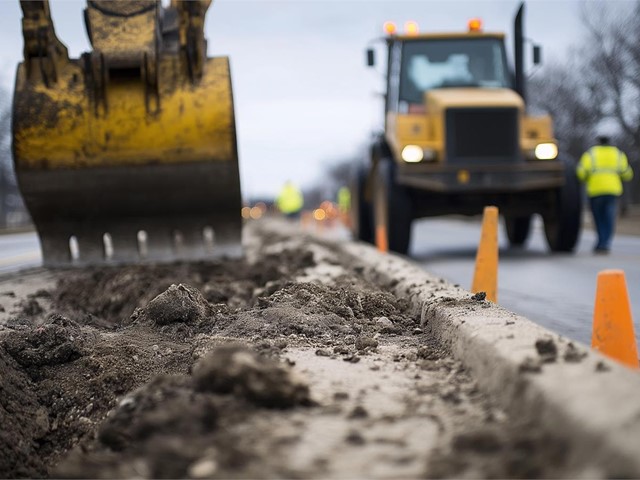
[[361, 212], [392, 208], [563, 223], [518, 229]]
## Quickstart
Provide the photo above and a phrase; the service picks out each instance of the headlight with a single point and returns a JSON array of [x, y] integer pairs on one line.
[[546, 151], [412, 154]]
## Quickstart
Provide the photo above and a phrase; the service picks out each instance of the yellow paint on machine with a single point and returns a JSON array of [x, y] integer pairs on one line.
[[427, 129], [68, 130]]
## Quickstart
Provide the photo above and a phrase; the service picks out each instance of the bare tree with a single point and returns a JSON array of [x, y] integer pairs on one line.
[[338, 173], [599, 83], [561, 91], [611, 54]]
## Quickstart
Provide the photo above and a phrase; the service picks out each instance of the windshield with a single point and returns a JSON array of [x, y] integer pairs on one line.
[[441, 63]]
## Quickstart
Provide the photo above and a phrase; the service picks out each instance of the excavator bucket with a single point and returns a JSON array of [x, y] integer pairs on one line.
[[129, 152]]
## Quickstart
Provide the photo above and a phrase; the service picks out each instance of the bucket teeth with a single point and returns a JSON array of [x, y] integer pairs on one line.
[[124, 244], [146, 241]]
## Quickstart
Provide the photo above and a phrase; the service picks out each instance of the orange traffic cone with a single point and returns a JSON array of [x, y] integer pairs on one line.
[[485, 277], [613, 332], [382, 240]]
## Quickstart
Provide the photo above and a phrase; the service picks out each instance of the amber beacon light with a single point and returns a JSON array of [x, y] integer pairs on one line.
[[411, 28], [389, 28], [475, 25]]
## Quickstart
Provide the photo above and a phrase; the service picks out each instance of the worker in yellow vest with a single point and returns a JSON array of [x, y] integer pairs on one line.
[[290, 200], [603, 168], [344, 204]]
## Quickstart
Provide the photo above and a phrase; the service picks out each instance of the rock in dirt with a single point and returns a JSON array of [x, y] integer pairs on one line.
[[479, 297], [57, 341], [547, 350], [178, 304], [364, 342], [383, 322], [237, 370], [573, 354]]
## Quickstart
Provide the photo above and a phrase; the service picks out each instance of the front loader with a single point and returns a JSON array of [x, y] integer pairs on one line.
[[127, 153], [458, 137]]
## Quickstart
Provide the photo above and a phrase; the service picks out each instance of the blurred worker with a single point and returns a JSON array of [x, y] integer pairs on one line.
[[603, 168], [344, 204], [290, 200]]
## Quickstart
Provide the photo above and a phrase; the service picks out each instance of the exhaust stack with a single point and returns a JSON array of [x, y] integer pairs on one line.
[[518, 47]]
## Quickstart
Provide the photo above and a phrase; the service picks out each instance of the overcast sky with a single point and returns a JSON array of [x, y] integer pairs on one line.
[[304, 97]]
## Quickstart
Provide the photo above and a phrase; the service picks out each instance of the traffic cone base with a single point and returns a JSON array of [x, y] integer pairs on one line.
[[613, 333], [485, 277]]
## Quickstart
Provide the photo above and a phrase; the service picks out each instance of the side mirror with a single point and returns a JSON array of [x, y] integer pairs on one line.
[[537, 54], [371, 57]]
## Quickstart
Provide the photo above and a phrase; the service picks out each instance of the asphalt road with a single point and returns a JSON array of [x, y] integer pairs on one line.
[[18, 251], [554, 290]]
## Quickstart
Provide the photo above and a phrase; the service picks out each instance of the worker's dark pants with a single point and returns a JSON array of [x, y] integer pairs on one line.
[[604, 209]]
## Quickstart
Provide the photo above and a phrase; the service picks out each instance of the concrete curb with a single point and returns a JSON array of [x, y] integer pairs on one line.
[[581, 396], [594, 402]]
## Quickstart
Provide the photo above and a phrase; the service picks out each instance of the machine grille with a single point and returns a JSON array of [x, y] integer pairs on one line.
[[487, 135]]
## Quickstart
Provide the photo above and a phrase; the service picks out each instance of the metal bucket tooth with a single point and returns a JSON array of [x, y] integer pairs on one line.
[[140, 240], [55, 247], [227, 241], [189, 242], [91, 248], [156, 243], [124, 240]]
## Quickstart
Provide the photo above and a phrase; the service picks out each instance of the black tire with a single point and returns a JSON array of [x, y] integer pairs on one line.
[[562, 225], [392, 208], [518, 229], [361, 211]]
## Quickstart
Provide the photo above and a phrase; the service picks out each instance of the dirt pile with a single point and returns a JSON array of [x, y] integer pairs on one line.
[[234, 369]]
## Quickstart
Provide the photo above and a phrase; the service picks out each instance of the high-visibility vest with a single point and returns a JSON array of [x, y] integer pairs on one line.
[[603, 168], [290, 199], [344, 199]]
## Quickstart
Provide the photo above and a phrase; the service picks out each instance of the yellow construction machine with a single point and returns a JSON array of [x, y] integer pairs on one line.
[[129, 152], [458, 136]]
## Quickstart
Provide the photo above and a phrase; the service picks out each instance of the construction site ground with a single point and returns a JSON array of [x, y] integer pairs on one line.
[[306, 359]]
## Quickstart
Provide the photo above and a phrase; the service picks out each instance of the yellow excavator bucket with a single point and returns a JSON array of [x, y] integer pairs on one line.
[[129, 152]]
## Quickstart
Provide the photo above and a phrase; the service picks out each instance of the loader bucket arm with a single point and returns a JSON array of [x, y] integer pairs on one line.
[[130, 150]]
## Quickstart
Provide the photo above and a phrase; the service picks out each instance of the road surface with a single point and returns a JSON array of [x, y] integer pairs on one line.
[[18, 251], [556, 291]]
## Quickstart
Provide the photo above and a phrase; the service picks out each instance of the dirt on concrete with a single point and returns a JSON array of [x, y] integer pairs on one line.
[[287, 364]]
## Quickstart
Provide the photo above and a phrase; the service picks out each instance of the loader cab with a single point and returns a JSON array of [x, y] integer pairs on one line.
[[418, 65]]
